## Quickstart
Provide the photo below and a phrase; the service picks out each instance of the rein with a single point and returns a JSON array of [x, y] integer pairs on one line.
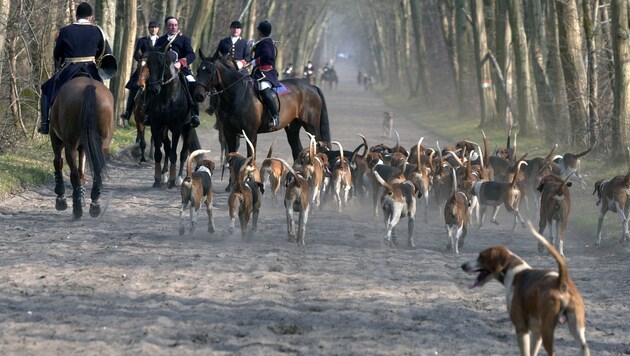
[[210, 93], [161, 81]]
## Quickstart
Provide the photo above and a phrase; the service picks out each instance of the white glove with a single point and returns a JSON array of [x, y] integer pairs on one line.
[[239, 65], [253, 63]]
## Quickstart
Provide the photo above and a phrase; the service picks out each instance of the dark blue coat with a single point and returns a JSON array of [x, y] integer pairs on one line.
[[182, 46], [239, 50], [143, 46], [264, 53], [75, 40]]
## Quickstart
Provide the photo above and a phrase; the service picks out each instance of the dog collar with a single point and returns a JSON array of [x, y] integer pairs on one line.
[[205, 169]]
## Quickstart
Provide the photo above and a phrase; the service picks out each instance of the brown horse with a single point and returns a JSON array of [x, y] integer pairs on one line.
[[138, 108], [82, 124], [303, 107]]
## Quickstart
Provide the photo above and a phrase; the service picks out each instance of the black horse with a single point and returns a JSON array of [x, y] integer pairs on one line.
[[167, 104], [304, 107], [329, 79]]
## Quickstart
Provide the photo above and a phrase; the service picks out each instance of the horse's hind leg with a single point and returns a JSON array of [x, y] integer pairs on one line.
[[95, 206], [82, 175], [60, 188], [293, 136], [71, 159], [172, 158]]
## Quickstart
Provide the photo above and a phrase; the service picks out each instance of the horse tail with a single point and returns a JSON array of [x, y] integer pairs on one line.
[[91, 140], [324, 124]]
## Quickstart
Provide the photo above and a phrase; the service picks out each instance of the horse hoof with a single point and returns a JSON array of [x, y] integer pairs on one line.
[[182, 230], [171, 184], [61, 204], [157, 184], [211, 229], [95, 210], [77, 212]]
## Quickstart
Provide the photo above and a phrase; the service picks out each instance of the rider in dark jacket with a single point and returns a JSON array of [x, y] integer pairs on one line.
[[264, 64], [181, 45], [144, 45], [77, 49]]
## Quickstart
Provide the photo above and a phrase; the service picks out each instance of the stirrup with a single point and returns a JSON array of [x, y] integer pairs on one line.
[[194, 121]]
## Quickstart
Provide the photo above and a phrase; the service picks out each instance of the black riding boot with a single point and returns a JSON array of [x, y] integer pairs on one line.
[[194, 106], [43, 129], [269, 99], [130, 103]]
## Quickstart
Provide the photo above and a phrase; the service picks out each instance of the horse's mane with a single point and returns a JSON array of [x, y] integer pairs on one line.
[[231, 73]]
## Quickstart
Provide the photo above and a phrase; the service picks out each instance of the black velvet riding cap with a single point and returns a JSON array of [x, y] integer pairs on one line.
[[84, 10], [264, 28]]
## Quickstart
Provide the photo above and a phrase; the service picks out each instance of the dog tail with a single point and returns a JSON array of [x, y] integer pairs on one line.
[[191, 158], [485, 162], [366, 146], [251, 146], [342, 161], [584, 153], [418, 150], [550, 155], [270, 153], [383, 182], [518, 170], [563, 273]]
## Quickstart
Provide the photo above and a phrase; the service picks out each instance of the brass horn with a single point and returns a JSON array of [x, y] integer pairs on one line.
[[107, 66]]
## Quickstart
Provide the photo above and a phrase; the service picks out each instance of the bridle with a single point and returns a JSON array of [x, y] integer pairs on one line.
[[214, 77], [160, 81]]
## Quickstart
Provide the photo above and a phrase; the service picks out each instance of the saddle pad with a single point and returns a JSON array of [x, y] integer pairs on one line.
[[282, 90]]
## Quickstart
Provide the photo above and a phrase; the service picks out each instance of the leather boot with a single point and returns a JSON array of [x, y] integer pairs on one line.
[[130, 103], [194, 106], [43, 129], [269, 99]]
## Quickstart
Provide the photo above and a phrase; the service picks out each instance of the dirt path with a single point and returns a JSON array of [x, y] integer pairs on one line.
[[127, 283]]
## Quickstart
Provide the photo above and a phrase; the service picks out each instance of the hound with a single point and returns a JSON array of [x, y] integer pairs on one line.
[[196, 189], [613, 194], [236, 162], [245, 200], [537, 300], [457, 212], [296, 199], [398, 200], [272, 171], [555, 204], [341, 179]]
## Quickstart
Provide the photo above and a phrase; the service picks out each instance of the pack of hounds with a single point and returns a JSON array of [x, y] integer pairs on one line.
[[459, 180]]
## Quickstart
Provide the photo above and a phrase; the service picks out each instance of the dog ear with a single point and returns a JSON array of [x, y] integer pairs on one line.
[[261, 186], [211, 164]]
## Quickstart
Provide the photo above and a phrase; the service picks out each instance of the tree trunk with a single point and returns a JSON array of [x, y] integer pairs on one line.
[[201, 14], [484, 73], [5, 8], [534, 27], [571, 51], [421, 51], [125, 57], [558, 128], [621, 50], [465, 60], [522, 77], [590, 10], [503, 35]]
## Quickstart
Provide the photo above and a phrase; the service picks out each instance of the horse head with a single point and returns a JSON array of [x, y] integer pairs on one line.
[[161, 70], [206, 77]]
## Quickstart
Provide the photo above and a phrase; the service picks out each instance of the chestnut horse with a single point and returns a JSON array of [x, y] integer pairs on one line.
[[82, 124], [303, 107], [166, 103]]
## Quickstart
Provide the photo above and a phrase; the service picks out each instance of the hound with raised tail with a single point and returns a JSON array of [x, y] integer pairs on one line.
[[569, 163], [196, 189], [245, 200], [341, 179], [614, 195], [236, 162], [555, 205], [398, 200], [494, 194], [296, 199], [457, 211], [537, 300], [272, 171]]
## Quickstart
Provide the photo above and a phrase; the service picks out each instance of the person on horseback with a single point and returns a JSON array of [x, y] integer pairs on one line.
[[143, 45], [309, 69], [77, 49], [238, 49], [180, 47], [264, 63], [288, 72]]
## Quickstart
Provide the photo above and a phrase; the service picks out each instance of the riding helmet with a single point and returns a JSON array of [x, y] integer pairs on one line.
[[264, 28]]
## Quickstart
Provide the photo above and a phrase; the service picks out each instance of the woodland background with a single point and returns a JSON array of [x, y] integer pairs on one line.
[[557, 70]]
